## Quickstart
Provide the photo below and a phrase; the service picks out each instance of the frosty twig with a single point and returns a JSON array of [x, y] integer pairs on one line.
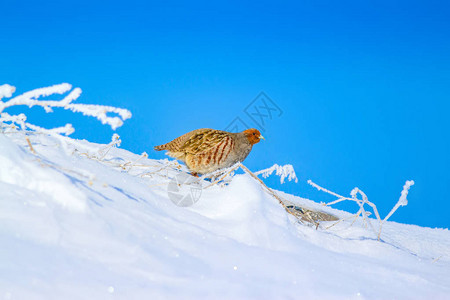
[[31, 99], [364, 200], [282, 171]]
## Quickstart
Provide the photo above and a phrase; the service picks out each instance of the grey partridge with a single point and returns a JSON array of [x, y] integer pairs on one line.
[[207, 150]]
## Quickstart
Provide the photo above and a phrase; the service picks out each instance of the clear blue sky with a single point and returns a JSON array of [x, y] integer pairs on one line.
[[363, 86]]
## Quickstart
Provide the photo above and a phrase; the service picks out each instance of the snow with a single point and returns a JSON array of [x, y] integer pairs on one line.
[[96, 222], [17, 168]]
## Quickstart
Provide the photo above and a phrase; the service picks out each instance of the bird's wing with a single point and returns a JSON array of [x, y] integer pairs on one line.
[[176, 145], [204, 141]]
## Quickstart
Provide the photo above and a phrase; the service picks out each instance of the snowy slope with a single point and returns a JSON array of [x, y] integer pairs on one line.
[[73, 227]]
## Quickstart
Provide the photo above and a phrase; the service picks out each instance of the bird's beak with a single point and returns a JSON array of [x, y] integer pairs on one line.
[[261, 137]]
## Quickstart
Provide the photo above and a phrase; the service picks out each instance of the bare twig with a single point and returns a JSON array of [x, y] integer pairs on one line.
[[437, 258], [222, 174], [364, 200], [313, 217], [29, 145], [132, 164]]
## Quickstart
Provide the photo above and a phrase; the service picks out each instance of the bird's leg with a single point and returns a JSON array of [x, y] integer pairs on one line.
[[195, 174]]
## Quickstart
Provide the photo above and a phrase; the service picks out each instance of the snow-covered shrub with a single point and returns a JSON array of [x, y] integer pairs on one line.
[[364, 200]]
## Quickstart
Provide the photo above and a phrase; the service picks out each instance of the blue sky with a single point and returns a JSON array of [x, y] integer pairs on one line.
[[363, 86]]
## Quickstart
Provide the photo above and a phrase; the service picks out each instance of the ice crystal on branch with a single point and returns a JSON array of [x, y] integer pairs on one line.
[[282, 171], [6, 91], [364, 200], [31, 99]]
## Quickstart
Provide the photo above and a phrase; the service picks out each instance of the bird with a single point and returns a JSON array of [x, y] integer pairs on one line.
[[207, 150]]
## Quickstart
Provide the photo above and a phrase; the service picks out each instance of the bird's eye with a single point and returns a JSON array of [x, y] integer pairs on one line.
[[253, 133]]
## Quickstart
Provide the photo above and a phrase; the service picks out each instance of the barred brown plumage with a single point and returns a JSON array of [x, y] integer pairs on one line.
[[207, 150]]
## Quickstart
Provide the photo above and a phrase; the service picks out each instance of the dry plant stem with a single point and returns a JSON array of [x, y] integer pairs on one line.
[[130, 165], [324, 189], [387, 217], [366, 200], [29, 145], [363, 201], [360, 203], [337, 201], [151, 174], [271, 192], [340, 220], [164, 167], [103, 156], [355, 217], [174, 166], [436, 259], [363, 212], [222, 177], [107, 148], [263, 184], [142, 166]]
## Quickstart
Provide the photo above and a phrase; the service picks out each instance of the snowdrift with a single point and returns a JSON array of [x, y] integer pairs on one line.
[[73, 227], [86, 221]]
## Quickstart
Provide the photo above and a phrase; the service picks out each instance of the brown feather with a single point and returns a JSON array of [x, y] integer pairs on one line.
[[206, 150]]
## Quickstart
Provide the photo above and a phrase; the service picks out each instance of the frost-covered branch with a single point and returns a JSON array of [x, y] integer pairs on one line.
[[325, 190], [31, 99], [66, 130], [15, 119], [115, 142], [402, 201], [6, 90], [282, 171], [130, 164], [364, 200]]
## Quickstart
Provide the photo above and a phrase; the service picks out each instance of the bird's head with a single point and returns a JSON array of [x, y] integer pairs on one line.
[[253, 135]]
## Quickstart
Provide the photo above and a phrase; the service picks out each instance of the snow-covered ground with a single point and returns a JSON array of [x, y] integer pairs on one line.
[[76, 227]]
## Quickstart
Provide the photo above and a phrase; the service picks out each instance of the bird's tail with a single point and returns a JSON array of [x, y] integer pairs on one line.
[[161, 147]]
